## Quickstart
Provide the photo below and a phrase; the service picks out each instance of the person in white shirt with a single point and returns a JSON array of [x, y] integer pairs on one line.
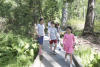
[[49, 24], [40, 33], [57, 26], [52, 33]]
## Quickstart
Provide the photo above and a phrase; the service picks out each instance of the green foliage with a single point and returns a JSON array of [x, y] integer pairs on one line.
[[4, 9], [17, 50], [85, 54], [77, 26], [52, 9], [77, 33], [97, 26], [76, 23], [21, 15], [77, 9], [97, 11], [96, 61], [89, 57], [70, 1]]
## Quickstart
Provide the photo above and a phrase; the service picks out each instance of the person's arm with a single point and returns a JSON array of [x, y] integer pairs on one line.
[[56, 33], [49, 33], [64, 39], [44, 28], [37, 27], [74, 41]]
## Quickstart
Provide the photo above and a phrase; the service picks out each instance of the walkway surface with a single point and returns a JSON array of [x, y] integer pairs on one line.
[[51, 60]]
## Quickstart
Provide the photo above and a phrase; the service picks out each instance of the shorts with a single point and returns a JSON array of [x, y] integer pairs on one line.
[[53, 41], [40, 40]]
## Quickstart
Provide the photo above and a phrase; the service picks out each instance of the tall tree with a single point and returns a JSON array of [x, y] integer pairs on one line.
[[64, 13], [89, 23]]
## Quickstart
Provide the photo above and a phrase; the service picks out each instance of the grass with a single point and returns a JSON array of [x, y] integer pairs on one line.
[[97, 26], [88, 56], [96, 61]]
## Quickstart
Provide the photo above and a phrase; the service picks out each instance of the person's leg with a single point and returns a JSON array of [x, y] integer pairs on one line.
[[40, 49], [71, 58], [55, 46], [55, 42], [40, 45], [65, 55], [59, 45], [51, 42], [51, 47]]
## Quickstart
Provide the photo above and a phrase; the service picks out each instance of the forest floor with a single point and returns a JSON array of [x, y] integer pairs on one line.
[[92, 41]]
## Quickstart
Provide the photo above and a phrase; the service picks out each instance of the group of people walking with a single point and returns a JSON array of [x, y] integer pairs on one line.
[[54, 31]]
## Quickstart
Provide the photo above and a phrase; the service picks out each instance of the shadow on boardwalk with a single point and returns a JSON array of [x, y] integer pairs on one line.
[[51, 60]]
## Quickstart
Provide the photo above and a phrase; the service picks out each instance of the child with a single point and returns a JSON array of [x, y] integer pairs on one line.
[[53, 37], [57, 26], [40, 33], [68, 43]]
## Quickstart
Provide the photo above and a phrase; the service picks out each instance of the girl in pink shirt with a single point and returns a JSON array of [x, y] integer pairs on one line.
[[68, 43]]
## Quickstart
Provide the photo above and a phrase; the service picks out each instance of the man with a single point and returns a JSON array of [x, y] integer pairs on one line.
[[40, 33]]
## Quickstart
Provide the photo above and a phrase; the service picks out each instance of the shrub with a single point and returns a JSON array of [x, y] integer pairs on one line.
[[16, 48]]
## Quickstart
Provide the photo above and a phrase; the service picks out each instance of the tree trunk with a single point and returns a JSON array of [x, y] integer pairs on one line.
[[64, 14], [89, 23]]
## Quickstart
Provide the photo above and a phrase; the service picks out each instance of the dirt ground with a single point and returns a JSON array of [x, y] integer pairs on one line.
[[92, 41]]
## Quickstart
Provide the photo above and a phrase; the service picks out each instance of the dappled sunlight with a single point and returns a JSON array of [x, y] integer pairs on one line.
[[50, 60], [46, 38], [21, 40], [86, 51]]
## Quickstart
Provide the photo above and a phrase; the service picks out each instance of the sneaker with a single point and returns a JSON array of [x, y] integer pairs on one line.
[[59, 49], [51, 51], [54, 52]]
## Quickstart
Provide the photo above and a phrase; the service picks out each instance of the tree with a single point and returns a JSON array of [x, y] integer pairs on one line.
[[89, 23], [64, 14], [65, 11], [50, 9]]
